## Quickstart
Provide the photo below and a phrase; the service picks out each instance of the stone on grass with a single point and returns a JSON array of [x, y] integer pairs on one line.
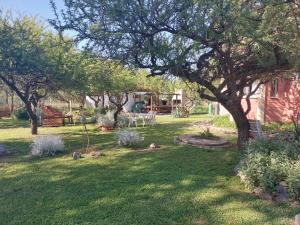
[[282, 193], [258, 191], [295, 204], [176, 141], [153, 146], [76, 155], [297, 219], [3, 150], [95, 153]]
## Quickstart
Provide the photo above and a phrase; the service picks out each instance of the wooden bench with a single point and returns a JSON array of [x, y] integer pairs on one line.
[[52, 117]]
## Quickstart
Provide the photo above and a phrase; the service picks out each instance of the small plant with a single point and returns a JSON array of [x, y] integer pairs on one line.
[[106, 120], [206, 134], [296, 127], [123, 120], [48, 145], [128, 138], [293, 180], [20, 114], [101, 110]]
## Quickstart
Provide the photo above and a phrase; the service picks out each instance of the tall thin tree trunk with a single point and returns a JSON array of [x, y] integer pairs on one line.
[[33, 117], [6, 97], [34, 126], [103, 101], [12, 102], [116, 113]]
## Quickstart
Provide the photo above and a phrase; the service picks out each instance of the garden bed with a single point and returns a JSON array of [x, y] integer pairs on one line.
[[203, 142]]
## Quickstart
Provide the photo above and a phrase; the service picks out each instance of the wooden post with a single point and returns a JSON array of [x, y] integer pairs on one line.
[[176, 100], [70, 106], [151, 102]]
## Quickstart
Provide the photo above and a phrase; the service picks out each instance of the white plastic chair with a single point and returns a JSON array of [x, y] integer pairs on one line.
[[132, 119], [149, 119]]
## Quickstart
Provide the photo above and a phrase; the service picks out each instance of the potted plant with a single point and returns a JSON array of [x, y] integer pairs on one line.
[[105, 124]]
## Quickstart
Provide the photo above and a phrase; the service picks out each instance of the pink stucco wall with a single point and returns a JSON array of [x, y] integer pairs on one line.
[[286, 104], [276, 109], [254, 104]]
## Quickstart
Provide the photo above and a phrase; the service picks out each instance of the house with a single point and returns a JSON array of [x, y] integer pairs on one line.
[[162, 103], [276, 101]]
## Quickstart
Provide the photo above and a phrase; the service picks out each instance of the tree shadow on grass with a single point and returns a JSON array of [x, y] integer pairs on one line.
[[6, 123], [181, 185], [175, 185]]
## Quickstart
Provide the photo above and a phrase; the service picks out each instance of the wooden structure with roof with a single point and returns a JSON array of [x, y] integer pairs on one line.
[[52, 117]]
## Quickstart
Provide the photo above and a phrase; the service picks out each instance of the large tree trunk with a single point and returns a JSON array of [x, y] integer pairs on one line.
[[34, 126], [241, 122], [33, 117], [116, 113], [119, 102]]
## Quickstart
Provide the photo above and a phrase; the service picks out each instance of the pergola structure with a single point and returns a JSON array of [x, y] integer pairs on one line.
[[154, 101]]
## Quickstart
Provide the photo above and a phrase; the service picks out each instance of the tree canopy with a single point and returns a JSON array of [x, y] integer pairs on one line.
[[31, 60], [223, 45]]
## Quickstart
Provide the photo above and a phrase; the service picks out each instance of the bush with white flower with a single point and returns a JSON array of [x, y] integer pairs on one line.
[[47, 145], [128, 138]]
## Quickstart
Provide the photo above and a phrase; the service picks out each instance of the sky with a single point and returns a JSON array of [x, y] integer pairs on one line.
[[38, 8], [41, 9]]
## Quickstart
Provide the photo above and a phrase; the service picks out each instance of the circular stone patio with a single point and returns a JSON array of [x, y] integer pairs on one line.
[[191, 139]]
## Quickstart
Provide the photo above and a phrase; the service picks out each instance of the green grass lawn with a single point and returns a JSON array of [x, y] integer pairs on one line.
[[175, 185]]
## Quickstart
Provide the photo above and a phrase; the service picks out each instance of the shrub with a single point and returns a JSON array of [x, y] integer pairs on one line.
[[123, 120], [275, 127], [201, 109], [128, 138], [47, 145], [265, 163], [206, 134], [296, 127], [289, 148], [101, 110], [89, 111], [106, 120], [264, 170], [293, 180], [20, 114]]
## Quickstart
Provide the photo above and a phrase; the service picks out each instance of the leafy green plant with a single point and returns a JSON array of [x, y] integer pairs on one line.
[[277, 127], [266, 162], [201, 109], [296, 127], [20, 114], [206, 134], [264, 170], [293, 180], [288, 148]]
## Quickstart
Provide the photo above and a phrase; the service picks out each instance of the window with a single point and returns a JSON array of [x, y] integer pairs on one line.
[[274, 88]]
